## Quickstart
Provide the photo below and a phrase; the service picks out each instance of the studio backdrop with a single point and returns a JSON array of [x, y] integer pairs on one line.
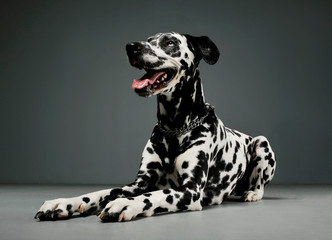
[[68, 113]]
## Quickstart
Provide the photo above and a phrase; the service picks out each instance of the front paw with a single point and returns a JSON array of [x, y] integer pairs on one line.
[[252, 196], [121, 209], [56, 209]]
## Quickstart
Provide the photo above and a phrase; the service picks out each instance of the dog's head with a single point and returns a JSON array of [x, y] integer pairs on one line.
[[167, 58]]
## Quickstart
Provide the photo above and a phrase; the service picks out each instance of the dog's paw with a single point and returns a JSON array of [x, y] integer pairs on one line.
[[252, 196], [121, 209], [61, 208]]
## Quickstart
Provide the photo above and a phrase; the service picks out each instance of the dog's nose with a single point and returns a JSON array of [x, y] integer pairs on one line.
[[133, 48]]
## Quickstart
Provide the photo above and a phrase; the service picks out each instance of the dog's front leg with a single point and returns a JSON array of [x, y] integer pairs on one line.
[[93, 203], [191, 169], [63, 208]]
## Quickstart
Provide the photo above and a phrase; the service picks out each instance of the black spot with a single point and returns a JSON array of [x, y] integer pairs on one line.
[[153, 179], [186, 55], [233, 177], [154, 165], [184, 64], [169, 199], [192, 184], [185, 165], [225, 179], [69, 206], [271, 162], [148, 204], [147, 194], [229, 167], [196, 196], [114, 194], [223, 185], [141, 184], [150, 150], [237, 146], [214, 175], [166, 191], [86, 199], [239, 170], [207, 200], [263, 144], [221, 165], [184, 201], [219, 154], [234, 158], [268, 157], [160, 210], [221, 133]]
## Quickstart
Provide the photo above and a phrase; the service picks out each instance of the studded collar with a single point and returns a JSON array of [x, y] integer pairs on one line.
[[186, 128]]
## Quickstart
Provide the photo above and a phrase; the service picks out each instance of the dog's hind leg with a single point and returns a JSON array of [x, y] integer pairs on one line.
[[260, 171]]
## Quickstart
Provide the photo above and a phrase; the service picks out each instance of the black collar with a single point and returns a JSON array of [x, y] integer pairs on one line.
[[186, 127]]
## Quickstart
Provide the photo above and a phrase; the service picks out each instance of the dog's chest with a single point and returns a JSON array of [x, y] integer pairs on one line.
[[168, 149], [173, 152]]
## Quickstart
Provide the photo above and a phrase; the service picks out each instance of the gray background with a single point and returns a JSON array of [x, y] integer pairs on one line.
[[69, 115]]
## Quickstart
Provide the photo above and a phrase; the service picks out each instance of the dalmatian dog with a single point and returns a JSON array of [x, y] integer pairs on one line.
[[191, 160]]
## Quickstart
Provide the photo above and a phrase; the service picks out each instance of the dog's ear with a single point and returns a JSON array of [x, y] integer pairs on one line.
[[203, 48]]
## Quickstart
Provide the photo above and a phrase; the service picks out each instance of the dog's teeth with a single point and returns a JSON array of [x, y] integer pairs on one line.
[[164, 77]]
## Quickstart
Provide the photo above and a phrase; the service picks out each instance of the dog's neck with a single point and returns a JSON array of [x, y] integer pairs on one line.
[[183, 105]]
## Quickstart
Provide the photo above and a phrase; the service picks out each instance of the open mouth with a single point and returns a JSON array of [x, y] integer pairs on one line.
[[154, 79]]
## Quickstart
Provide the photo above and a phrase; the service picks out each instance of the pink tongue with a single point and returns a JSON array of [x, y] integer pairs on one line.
[[139, 84]]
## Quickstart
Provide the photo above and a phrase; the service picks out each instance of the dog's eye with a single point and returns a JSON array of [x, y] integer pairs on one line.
[[170, 44]]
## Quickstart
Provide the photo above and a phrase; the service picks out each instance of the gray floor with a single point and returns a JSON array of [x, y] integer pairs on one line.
[[286, 212]]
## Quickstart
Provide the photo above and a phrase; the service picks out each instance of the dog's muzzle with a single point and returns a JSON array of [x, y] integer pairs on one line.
[[155, 78]]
